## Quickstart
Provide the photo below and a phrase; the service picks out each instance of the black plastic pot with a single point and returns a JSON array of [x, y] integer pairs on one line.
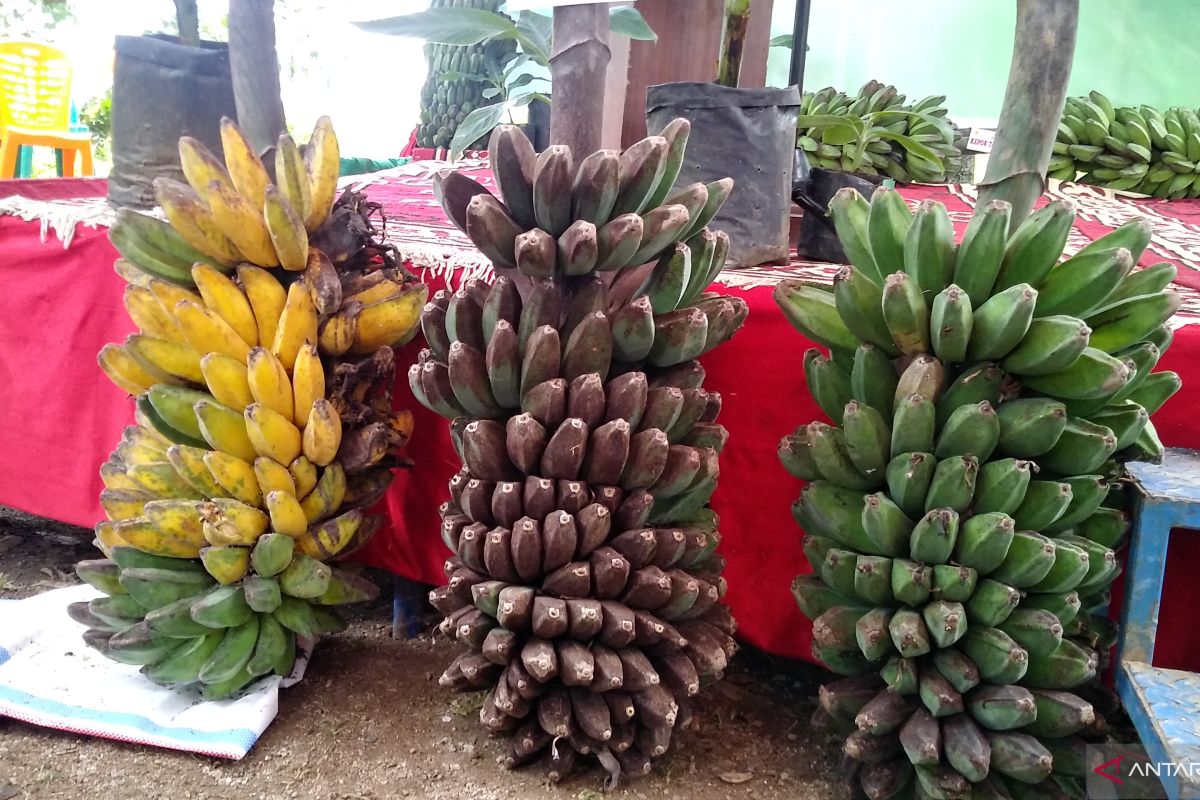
[[817, 240], [748, 135], [163, 90]]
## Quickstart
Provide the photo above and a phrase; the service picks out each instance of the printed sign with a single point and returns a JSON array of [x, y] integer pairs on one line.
[[981, 140]]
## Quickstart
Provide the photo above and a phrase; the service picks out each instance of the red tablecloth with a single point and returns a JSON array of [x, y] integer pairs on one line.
[[62, 417]]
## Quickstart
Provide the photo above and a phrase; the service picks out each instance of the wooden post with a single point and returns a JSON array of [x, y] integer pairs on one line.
[[578, 72], [255, 67], [1043, 49]]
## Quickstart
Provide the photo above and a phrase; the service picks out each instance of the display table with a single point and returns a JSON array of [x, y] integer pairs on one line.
[[62, 417]]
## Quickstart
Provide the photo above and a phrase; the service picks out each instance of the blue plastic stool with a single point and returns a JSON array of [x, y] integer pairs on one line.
[[1164, 704]]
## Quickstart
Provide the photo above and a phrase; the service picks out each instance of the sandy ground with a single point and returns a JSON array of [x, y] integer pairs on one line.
[[369, 722]]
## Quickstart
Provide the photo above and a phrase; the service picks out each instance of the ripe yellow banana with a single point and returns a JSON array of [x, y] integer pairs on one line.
[[287, 516], [159, 356], [223, 296], [149, 315], [273, 476], [122, 504], [145, 423], [189, 463], [227, 380], [286, 228], [304, 474], [389, 321], [322, 433], [297, 325], [193, 221], [208, 333], [236, 477], [225, 429], [272, 434], [338, 331], [376, 292], [246, 169], [126, 372], [267, 298], [201, 167], [242, 223], [161, 480], [231, 522], [139, 446], [328, 495], [169, 294], [149, 537], [325, 541], [113, 475], [291, 176], [269, 382], [107, 538], [323, 160], [308, 383]]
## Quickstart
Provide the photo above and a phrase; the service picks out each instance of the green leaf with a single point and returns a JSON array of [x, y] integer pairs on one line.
[[782, 40], [822, 120], [538, 29], [490, 92], [911, 145], [478, 123], [845, 134], [460, 26], [524, 79], [628, 21]]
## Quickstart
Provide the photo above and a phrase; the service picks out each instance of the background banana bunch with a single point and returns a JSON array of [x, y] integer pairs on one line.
[[962, 510], [457, 82], [264, 430], [875, 133], [583, 578], [1135, 149]]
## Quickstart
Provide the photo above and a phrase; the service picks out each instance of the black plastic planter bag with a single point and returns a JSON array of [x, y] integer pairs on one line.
[[162, 91], [817, 240], [749, 135]]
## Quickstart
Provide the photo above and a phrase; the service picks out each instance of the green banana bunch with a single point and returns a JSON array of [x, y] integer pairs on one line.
[[1142, 149], [458, 77], [583, 581], [961, 514]]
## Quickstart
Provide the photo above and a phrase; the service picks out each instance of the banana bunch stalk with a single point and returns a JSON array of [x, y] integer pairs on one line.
[[264, 432], [962, 509], [883, 110], [583, 577], [458, 77], [1134, 149]]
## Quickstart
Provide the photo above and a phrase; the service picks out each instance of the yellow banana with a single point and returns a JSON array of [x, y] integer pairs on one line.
[[246, 169], [272, 434], [175, 518], [148, 537], [208, 333], [227, 563], [269, 382], [338, 331], [127, 372], [169, 294], [389, 321], [224, 429], [122, 504], [232, 522], [291, 176], [113, 476], [150, 427], [328, 495], [242, 223], [189, 463], [202, 169], [304, 474], [163, 356], [297, 325], [149, 315], [382, 290], [267, 298], [308, 383], [235, 476], [286, 228], [273, 476], [322, 433], [227, 380], [223, 296], [107, 538], [326, 540], [323, 161], [192, 220], [147, 446], [287, 516], [160, 479]]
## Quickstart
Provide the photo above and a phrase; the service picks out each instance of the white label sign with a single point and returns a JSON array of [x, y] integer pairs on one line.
[[981, 140]]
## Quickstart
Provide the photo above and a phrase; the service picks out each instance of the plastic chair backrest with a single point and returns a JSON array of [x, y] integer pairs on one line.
[[35, 87]]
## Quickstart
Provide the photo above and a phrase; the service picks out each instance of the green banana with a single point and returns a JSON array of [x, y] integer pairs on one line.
[[981, 253]]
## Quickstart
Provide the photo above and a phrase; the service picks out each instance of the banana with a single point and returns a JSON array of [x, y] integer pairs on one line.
[[160, 479], [267, 299], [1035, 246], [308, 383], [297, 325], [236, 477], [1001, 322], [231, 656], [286, 230], [127, 372], [291, 176], [231, 522], [193, 221], [287, 515], [190, 464], [888, 222], [242, 222], [929, 248], [207, 332], [1081, 284], [149, 315], [272, 434], [224, 429], [227, 380], [813, 312], [389, 322], [269, 383], [873, 379], [1051, 344], [849, 211], [950, 324], [337, 332], [1128, 322], [246, 170], [906, 314], [228, 564], [859, 302], [160, 357], [1094, 374], [979, 257], [328, 495], [223, 296], [322, 433], [323, 159]]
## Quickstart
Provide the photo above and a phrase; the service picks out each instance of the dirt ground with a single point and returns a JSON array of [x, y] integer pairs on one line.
[[369, 722]]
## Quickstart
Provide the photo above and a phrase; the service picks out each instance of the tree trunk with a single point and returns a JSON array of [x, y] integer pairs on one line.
[[578, 68], [737, 19], [1033, 104], [187, 19], [255, 67]]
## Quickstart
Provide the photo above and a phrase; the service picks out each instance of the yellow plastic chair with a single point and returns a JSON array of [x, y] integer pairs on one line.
[[35, 107]]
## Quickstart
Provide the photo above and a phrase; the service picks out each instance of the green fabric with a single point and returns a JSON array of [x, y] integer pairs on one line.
[[361, 166]]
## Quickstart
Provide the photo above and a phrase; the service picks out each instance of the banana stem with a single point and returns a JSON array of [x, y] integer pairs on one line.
[[255, 67], [188, 22], [737, 18], [1043, 48], [578, 72]]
